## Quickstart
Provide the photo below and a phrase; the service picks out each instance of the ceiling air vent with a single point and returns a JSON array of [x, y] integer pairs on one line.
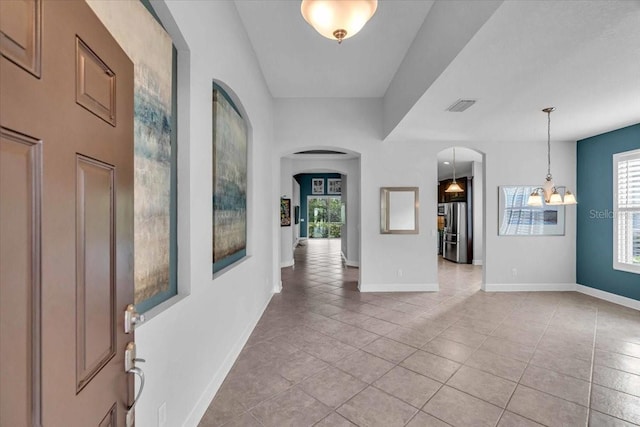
[[460, 105], [320, 152]]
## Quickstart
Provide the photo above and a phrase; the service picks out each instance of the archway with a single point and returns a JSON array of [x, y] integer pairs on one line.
[[461, 219], [333, 166]]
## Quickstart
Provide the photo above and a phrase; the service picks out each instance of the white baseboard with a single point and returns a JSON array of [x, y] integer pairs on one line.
[[476, 262], [400, 287], [608, 296], [349, 263], [529, 287], [212, 388], [285, 264], [277, 288]]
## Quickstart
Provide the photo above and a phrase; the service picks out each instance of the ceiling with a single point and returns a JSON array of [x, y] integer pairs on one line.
[[297, 62], [583, 57]]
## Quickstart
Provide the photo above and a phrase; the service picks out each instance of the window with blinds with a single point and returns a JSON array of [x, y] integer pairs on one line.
[[626, 207]]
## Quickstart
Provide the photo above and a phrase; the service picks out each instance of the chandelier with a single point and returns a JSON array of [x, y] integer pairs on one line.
[[549, 190]]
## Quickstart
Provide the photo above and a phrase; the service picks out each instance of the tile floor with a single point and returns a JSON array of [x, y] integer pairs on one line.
[[324, 354]]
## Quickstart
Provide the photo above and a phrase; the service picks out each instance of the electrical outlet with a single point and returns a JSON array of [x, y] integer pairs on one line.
[[514, 272], [399, 272], [162, 415]]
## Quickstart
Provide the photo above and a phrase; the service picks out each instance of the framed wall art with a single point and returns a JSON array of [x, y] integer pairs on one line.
[[334, 186], [285, 212], [516, 218], [317, 186], [229, 182], [153, 54]]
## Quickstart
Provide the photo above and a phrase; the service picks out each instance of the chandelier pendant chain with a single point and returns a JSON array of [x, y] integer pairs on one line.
[[454, 164], [548, 144]]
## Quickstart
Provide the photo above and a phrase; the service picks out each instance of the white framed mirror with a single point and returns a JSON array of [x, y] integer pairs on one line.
[[399, 208]]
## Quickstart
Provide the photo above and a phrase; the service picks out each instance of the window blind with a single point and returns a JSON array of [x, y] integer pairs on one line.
[[627, 211]]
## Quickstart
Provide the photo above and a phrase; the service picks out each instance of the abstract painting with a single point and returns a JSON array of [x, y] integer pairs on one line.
[[150, 48], [229, 182], [285, 212]]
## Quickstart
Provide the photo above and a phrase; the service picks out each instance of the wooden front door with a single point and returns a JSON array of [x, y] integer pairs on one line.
[[66, 216]]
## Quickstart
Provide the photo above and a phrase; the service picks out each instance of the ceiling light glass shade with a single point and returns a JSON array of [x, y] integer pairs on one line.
[[454, 187], [555, 199], [338, 19], [535, 199], [570, 198]]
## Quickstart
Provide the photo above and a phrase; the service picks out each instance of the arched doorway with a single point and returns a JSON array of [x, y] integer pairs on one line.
[[461, 219], [330, 209]]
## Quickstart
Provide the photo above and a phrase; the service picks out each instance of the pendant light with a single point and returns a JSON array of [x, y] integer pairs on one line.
[[338, 19], [454, 187], [549, 190]]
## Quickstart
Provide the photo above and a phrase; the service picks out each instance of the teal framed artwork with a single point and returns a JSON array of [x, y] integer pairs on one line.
[[229, 182]]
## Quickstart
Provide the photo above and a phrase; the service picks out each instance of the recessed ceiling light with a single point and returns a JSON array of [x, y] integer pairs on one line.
[[446, 163]]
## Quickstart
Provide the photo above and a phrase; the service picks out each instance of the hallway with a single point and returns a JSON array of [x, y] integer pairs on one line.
[[325, 354]]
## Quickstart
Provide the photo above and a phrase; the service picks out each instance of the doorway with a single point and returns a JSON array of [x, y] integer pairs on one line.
[[460, 219], [325, 217]]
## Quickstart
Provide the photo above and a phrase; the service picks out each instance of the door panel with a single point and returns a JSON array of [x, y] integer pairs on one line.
[[87, 213], [20, 177], [94, 268], [21, 23], [95, 84]]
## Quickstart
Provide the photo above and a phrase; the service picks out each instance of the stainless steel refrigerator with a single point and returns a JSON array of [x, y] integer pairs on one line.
[[455, 232]]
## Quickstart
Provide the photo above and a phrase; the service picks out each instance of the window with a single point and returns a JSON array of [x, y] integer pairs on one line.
[[325, 217], [626, 210]]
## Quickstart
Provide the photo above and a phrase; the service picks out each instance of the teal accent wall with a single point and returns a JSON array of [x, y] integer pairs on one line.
[[594, 256], [304, 179]]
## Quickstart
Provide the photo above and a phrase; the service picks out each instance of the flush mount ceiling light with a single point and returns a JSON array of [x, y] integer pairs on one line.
[[338, 19], [549, 190], [454, 187]]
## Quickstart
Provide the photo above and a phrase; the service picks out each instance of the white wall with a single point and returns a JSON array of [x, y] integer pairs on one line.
[[286, 233], [190, 346], [354, 124], [478, 211]]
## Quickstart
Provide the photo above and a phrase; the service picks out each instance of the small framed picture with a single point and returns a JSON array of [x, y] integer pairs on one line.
[[334, 186], [317, 186], [285, 212]]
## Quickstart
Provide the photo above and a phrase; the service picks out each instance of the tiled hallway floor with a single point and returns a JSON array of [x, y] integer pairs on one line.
[[324, 354]]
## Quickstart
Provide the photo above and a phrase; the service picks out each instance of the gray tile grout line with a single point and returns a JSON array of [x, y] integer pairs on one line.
[[593, 362]]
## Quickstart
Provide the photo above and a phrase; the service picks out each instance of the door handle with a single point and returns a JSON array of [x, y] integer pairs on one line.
[[140, 373], [130, 367], [130, 409]]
